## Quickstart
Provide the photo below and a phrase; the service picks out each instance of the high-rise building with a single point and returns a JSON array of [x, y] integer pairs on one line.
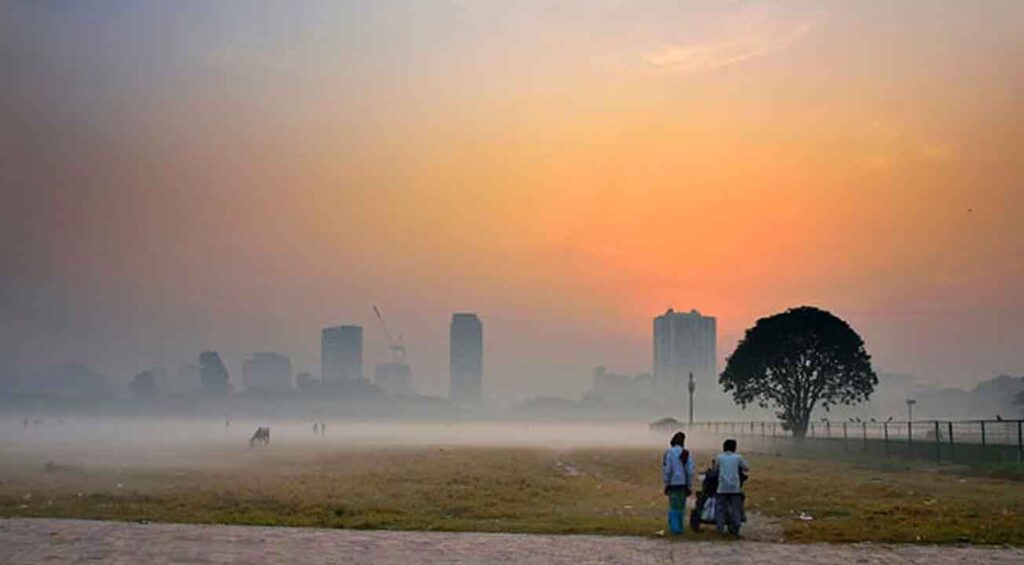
[[466, 358], [684, 343], [213, 373], [341, 354], [269, 372]]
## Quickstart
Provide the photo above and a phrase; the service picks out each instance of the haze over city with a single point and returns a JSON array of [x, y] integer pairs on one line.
[[186, 176]]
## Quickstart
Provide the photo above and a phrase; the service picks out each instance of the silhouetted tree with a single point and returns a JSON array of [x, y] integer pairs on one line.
[[797, 360]]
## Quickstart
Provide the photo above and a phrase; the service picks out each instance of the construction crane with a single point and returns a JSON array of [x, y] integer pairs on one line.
[[395, 343]]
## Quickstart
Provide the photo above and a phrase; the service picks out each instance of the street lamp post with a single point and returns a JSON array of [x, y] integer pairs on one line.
[[692, 386]]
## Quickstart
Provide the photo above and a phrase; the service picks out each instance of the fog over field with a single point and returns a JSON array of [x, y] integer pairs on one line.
[[133, 432], [87, 441]]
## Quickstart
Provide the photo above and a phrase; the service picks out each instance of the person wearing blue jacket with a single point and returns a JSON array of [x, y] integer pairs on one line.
[[677, 470], [732, 472]]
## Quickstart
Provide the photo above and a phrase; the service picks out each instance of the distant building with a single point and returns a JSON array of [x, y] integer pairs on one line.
[[612, 386], [466, 358], [341, 354], [212, 373], [393, 377], [270, 372], [684, 343], [620, 391], [304, 381], [144, 385]]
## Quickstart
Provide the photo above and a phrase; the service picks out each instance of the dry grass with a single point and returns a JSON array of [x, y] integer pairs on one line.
[[509, 490]]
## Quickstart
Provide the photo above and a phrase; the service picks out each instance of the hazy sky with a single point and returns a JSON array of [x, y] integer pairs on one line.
[[235, 175]]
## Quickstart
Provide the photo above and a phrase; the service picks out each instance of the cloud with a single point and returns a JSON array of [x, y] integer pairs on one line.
[[756, 30]]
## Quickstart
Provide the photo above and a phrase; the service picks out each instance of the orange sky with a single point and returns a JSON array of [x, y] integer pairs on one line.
[[189, 175]]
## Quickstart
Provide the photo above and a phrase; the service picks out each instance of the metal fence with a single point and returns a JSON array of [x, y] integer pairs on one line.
[[1000, 441]]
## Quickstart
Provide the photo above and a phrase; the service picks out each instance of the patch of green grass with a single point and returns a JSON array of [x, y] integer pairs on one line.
[[614, 491]]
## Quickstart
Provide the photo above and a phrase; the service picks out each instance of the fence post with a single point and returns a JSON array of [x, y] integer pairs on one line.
[[952, 446], [885, 437], [828, 430], [938, 443], [864, 430], [910, 438], [844, 436], [983, 433], [1020, 441], [812, 429], [762, 430]]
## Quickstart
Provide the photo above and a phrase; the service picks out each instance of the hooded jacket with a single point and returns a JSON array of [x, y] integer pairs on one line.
[[673, 471]]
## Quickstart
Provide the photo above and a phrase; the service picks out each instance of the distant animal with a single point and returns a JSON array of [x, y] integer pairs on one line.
[[261, 437], [999, 418]]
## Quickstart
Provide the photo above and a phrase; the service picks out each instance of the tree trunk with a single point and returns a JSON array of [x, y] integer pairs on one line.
[[799, 429], [799, 422]]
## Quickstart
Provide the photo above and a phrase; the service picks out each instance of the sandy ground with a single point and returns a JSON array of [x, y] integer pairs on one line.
[[36, 541]]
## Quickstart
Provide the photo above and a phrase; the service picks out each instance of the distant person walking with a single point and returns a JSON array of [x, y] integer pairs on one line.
[[732, 472], [677, 474]]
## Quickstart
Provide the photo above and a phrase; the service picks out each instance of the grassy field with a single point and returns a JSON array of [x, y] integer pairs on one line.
[[510, 490]]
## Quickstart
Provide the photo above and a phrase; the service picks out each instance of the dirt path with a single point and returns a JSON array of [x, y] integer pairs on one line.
[[32, 541]]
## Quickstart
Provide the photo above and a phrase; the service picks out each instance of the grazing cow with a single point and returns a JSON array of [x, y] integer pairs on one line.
[[261, 437]]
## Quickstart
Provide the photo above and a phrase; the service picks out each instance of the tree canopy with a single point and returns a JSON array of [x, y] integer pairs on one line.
[[797, 360]]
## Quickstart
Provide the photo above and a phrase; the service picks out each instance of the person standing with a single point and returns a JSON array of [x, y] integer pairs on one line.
[[732, 471], [677, 474]]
